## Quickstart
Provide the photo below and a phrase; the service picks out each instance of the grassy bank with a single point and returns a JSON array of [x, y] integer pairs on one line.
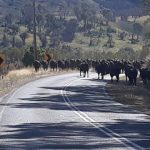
[[136, 96], [17, 78]]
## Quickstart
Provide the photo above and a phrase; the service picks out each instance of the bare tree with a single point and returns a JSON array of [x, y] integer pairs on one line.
[[34, 31], [24, 36]]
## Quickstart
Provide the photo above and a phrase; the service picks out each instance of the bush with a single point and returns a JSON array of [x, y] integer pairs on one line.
[[13, 53], [126, 53], [111, 30], [145, 52], [28, 59], [69, 33]]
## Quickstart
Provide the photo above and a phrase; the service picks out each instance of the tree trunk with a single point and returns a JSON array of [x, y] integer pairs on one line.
[[13, 41]]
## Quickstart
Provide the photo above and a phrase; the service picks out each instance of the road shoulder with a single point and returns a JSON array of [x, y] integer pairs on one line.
[[135, 96]]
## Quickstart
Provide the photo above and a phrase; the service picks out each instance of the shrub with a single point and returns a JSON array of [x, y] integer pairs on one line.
[[28, 59]]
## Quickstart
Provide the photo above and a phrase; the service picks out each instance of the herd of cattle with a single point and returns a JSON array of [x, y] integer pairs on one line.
[[131, 69]]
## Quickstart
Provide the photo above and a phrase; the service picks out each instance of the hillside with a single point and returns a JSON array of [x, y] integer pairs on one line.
[[116, 5], [77, 28], [120, 7]]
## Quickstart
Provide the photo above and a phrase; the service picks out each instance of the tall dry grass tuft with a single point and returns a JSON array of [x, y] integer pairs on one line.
[[21, 72], [18, 77]]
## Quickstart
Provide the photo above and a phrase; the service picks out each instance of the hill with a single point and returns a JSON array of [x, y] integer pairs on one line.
[[70, 28], [120, 7]]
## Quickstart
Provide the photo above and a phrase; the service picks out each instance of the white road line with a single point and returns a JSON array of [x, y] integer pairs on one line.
[[98, 126]]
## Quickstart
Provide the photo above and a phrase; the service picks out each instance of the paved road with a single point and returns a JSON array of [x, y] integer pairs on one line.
[[68, 112]]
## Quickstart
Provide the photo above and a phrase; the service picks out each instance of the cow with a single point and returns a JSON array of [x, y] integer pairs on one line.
[[131, 72], [84, 67], [115, 68], [67, 64], [72, 64], [145, 73], [78, 63], [44, 64], [101, 67], [53, 64], [61, 64], [36, 65]]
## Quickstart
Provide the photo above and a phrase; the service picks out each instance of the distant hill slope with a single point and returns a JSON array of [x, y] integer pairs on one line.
[[14, 6], [70, 25], [122, 6], [119, 6]]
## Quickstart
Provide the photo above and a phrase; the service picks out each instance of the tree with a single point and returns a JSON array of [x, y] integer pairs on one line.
[[107, 13], [41, 9], [146, 47], [69, 32], [43, 39], [146, 4], [77, 12], [24, 36], [4, 41], [126, 53], [145, 52], [14, 29], [34, 31], [27, 14], [62, 12], [40, 21], [50, 22], [28, 59], [122, 35], [110, 41], [137, 28], [86, 14], [8, 19]]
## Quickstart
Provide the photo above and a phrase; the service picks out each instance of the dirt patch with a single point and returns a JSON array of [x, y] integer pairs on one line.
[[136, 96], [17, 78]]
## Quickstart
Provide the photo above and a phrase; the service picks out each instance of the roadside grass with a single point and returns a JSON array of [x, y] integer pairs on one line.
[[136, 96], [17, 78]]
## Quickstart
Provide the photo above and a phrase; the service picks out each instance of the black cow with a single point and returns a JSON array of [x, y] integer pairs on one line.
[[131, 72], [84, 67], [53, 65], [101, 67], [78, 63], [145, 74], [44, 64], [67, 64], [115, 69], [61, 65], [36, 65], [72, 64]]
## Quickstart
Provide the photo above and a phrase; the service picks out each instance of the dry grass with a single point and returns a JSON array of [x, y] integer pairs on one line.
[[140, 20], [136, 96], [17, 78], [19, 73], [82, 42]]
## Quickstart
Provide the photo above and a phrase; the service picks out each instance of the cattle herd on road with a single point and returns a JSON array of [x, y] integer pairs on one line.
[[115, 67]]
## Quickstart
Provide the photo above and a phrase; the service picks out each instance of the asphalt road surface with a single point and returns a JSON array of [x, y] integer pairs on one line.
[[69, 112]]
